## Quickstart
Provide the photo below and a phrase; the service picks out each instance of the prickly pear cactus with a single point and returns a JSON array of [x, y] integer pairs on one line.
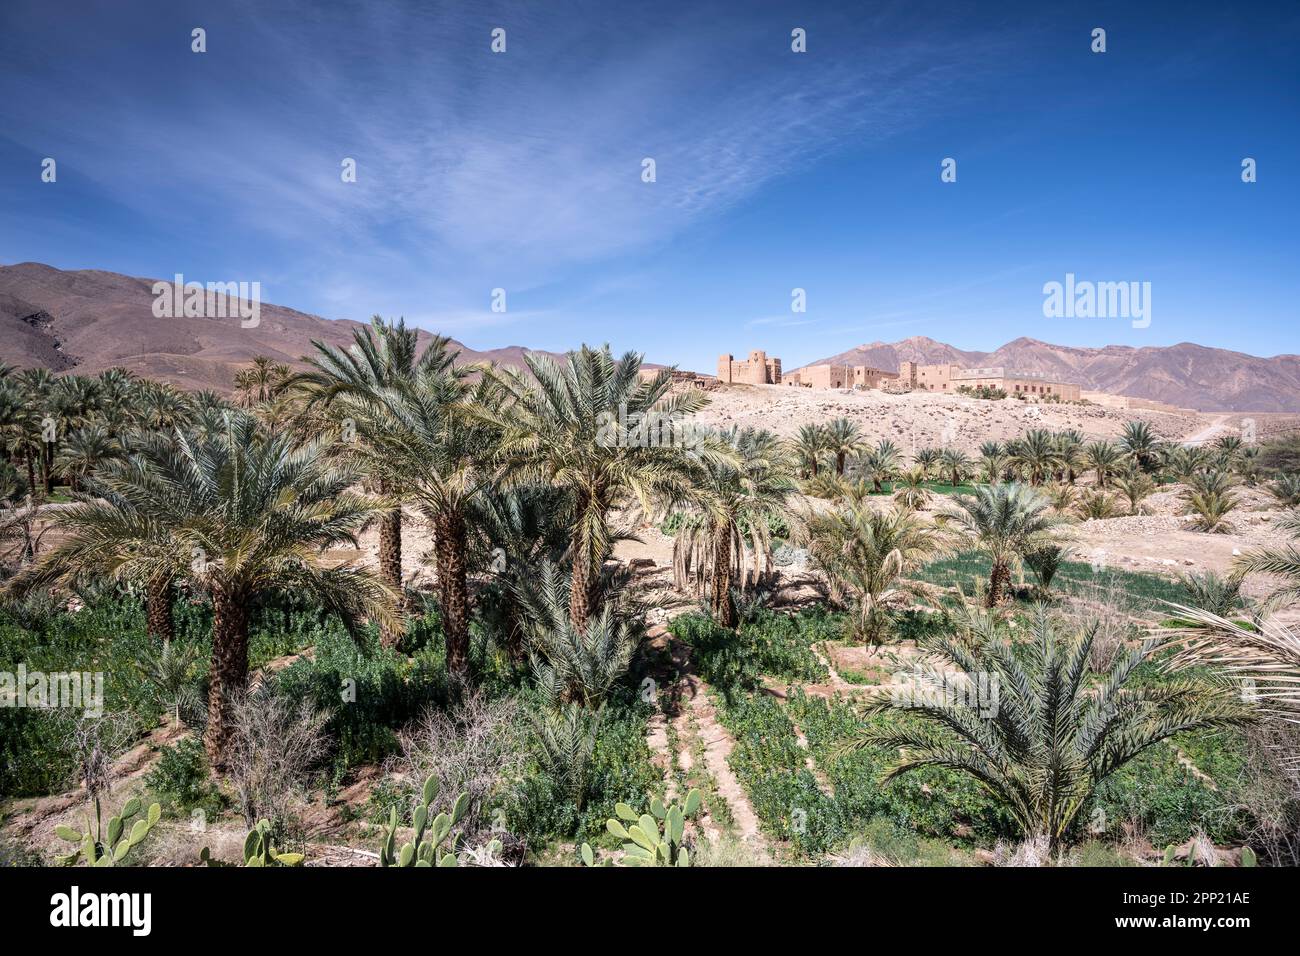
[[654, 838], [109, 846], [430, 834], [258, 850]]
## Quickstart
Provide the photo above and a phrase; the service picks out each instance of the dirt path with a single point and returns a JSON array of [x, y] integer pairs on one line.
[[695, 725], [1208, 432]]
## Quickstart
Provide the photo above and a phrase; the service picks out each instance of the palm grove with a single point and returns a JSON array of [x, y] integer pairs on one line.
[[528, 479]]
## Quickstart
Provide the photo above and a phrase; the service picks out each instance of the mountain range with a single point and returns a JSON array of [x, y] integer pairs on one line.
[[89, 320], [1187, 375]]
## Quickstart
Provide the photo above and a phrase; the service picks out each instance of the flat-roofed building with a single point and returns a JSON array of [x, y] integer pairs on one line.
[[949, 378], [839, 376], [1035, 385]]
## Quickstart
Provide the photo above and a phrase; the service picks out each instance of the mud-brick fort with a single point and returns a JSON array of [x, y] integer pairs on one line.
[[759, 369]]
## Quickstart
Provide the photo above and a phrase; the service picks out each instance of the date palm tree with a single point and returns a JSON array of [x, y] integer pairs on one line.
[[37, 387], [1006, 522], [20, 427], [1070, 454], [1036, 454], [910, 491], [239, 514], [596, 427], [514, 531], [866, 553], [843, 438], [260, 382], [994, 460], [1210, 499], [1182, 461], [880, 463], [382, 356], [1230, 447], [1134, 485], [927, 459], [955, 463], [1104, 459], [735, 497], [430, 439], [811, 446], [84, 450], [1282, 562], [1034, 725], [1286, 489], [1142, 443]]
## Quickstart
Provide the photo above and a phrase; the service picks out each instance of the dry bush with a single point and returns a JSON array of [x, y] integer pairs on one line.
[[276, 746], [1032, 852], [1105, 607], [94, 744], [1270, 791], [859, 854], [726, 850], [476, 748]]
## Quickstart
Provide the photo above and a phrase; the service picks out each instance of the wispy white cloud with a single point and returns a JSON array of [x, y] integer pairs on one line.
[[474, 170]]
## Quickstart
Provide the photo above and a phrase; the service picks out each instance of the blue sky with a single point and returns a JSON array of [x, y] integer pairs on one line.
[[775, 170]]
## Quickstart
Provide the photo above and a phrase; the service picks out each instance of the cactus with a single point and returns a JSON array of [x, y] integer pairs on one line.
[[259, 852], [421, 851], [1248, 857], [109, 846], [655, 838]]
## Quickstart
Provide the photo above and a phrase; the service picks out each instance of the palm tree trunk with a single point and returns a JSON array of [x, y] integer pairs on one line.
[[449, 531], [580, 586], [158, 609], [31, 472], [390, 548], [390, 545], [390, 566], [999, 579], [584, 585], [839, 463], [723, 606], [229, 675]]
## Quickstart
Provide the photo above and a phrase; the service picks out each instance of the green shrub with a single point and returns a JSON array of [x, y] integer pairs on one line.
[[770, 764], [932, 802], [182, 782], [621, 771], [1167, 801], [369, 691]]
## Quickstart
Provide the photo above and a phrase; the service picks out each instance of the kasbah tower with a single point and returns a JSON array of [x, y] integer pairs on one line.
[[758, 370]]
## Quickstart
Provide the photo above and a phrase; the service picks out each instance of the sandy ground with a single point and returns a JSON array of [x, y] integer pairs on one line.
[[920, 419]]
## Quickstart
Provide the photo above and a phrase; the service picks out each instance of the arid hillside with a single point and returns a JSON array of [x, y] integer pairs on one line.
[[91, 320], [933, 419]]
